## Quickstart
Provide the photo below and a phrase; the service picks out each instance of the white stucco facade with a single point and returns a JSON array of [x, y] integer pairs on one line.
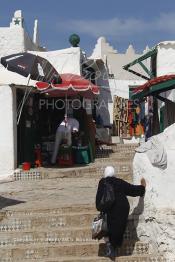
[[166, 58], [65, 61], [156, 225], [118, 80], [13, 39], [7, 132], [166, 64]]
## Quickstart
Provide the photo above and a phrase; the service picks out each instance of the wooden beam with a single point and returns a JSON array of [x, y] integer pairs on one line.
[[146, 69], [163, 99], [141, 58], [138, 74]]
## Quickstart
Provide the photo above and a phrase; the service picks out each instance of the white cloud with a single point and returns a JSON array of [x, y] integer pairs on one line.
[[117, 27], [166, 22]]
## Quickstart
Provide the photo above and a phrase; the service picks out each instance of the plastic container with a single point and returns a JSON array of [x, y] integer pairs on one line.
[[26, 166], [81, 155]]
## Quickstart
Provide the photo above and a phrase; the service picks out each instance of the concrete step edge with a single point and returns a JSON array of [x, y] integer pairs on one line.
[[134, 258], [43, 213], [67, 244], [35, 251], [46, 231], [60, 210], [26, 215]]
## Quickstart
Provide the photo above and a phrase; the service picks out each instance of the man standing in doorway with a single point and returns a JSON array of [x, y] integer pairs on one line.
[[64, 132]]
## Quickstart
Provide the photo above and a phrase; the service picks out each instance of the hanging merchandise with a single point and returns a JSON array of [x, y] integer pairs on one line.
[[120, 116], [138, 110], [139, 130], [142, 111], [136, 118], [149, 118], [130, 118]]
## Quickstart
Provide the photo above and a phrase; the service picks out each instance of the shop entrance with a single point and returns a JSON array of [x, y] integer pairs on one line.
[[40, 118]]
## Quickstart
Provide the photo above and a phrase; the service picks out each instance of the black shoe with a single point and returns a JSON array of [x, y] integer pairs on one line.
[[110, 251]]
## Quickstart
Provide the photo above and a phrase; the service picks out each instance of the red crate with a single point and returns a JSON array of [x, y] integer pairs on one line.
[[65, 162]]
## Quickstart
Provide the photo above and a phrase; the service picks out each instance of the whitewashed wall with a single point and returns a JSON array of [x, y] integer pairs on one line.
[[166, 65], [13, 39], [156, 225], [114, 62], [8, 139], [65, 61], [28, 43], [165, 59]]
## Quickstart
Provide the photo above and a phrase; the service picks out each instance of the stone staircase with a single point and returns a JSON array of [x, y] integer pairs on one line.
[[52, 221], [61, 235]]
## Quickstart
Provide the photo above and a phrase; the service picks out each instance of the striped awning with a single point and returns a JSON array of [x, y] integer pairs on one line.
[[154, 86]]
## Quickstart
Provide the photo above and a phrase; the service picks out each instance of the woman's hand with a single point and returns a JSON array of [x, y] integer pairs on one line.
[[143, 182]]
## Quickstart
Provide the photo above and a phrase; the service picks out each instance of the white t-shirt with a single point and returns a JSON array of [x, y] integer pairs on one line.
[[71, 125]]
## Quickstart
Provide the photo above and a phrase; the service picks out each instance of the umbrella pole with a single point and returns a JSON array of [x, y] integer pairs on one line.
[[24, 100], [66, 106], [26, 96]]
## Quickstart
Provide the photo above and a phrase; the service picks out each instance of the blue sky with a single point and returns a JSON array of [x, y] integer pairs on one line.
[[122, 22]]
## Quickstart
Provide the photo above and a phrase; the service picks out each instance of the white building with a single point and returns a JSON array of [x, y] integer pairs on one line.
[[161, 83], [166, 62], [13, 39], [157, 223], [118, 81]]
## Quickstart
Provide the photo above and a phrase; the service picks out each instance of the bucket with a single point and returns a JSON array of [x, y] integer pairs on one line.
[[26, 166]]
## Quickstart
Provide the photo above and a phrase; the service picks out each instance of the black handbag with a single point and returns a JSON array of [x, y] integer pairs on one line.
[[99, 226], [107, 199]]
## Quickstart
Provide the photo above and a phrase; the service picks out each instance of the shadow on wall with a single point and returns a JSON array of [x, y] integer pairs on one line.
[[133, 221], [5, 202]]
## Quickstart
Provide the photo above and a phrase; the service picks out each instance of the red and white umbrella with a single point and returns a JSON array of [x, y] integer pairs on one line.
[[71, 85]]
